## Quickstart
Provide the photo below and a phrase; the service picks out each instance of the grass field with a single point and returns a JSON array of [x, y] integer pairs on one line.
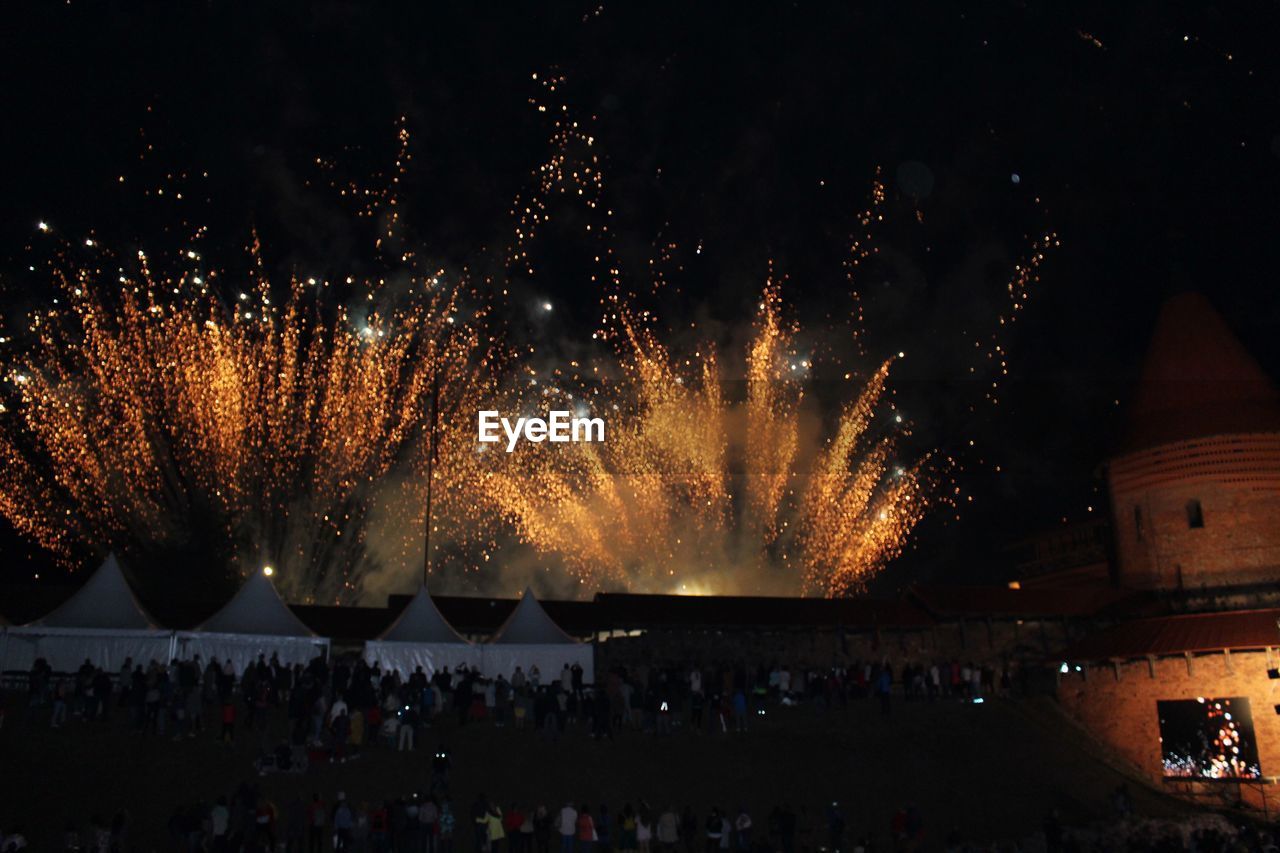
[[991, 771]]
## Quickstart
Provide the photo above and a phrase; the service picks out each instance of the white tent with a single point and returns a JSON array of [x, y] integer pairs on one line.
[[421, 637], [530, 637], [254, 622], [102, 622]]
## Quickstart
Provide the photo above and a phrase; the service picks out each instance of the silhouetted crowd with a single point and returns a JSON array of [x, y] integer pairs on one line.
[[246, 821], [350, 703]]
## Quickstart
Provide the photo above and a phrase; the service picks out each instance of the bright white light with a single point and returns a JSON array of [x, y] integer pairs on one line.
[[43, 226], [546, 306], [1064, 669], [268, 571]]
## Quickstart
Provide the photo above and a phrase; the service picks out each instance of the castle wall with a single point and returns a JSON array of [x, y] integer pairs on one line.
[[992, 642], [1117, 706], [1198, 513]]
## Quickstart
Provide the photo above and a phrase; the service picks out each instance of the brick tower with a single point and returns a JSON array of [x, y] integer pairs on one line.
[[1195, 487]]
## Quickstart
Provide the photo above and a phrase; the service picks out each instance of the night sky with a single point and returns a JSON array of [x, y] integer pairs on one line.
[[1146, 135]]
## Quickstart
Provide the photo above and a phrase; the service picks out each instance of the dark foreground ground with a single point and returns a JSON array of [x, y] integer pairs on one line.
[[991, 771]]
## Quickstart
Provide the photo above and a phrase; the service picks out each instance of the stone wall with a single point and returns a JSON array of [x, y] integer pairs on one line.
[[1201, 513], [1116, 704], [989, 642]]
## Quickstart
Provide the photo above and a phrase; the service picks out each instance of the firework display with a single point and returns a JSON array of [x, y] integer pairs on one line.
[[694, 491], [166, 415], [149, 413], [715, 477], [1208, 738]]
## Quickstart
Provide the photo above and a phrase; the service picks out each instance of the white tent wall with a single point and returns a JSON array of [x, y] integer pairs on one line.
[[407, 657], [243, 649], [550, 658], [66, 649]]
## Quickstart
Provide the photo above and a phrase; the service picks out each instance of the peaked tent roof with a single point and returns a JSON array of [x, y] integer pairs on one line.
[[529, 624], [105, 601], [256, 609], [421, 622], [1197, 380]]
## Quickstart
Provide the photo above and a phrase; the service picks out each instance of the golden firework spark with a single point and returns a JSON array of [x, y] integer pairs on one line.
[[148, 410], [691, 487], [144, 411]]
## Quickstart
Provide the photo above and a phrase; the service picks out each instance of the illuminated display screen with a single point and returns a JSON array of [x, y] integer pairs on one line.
[[1208, 738]]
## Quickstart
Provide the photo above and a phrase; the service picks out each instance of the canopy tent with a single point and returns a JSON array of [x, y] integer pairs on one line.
[[421, 637], [102, 622], [531, 638], [254, 622]]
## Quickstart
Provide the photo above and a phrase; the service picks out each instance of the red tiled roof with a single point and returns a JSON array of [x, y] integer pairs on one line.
[[474, 615], [1001, 601], [1076, 577], [637, 611], [1173, 635], [1197, 380]]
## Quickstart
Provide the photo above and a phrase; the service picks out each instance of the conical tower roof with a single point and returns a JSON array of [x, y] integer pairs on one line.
[[530, 624], [1197, 380], [105, 601], [256, 608], [421, 622]]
